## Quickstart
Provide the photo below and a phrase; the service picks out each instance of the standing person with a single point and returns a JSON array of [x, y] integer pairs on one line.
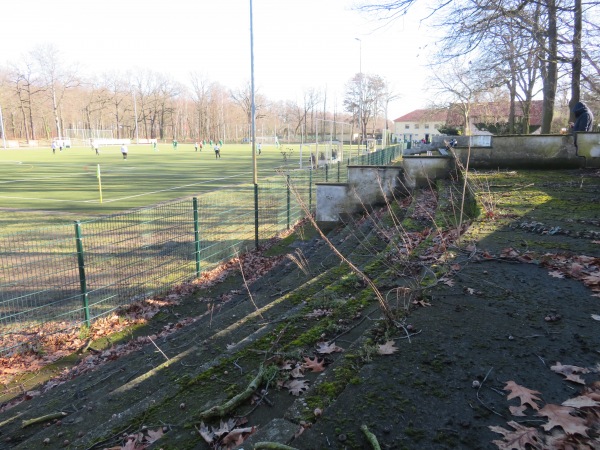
[[201, 145], [196, 146], [217, 152], [60, 145], [174, 144], [154, 146], [95, 147], [259, 149], [124, 151], [220, 142], [53, 147]]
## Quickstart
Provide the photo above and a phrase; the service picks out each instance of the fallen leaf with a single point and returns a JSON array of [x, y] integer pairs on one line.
[[314, 365], [526, 396], [387, 349], [154, 435], [518, 439], [595, 316], [570, 372], [327, 348], [559, 416], [556, 274], [583, 401], [296, 387], [296, 372], [518, 411], [422, 303]]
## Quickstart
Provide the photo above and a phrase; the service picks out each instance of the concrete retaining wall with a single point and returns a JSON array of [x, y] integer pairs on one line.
[[367, 186], [524, 152], [420, 171], [589, 149]]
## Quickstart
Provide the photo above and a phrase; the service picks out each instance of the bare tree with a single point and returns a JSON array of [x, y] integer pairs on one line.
[[243, 98], [462, 85], [56, 79], [364, 96]]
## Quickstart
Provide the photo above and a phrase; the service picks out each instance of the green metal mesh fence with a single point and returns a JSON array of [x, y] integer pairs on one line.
[[59, 277]]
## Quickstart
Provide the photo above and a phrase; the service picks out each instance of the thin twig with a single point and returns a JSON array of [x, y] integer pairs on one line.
[[480, 401], [247, 287], [162, 353]]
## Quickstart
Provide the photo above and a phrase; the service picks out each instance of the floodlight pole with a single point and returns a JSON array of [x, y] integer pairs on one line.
[[253, 125], [253, 106], [2, 126]]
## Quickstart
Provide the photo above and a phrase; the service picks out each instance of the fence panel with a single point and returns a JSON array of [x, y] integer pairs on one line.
[[60, 277]]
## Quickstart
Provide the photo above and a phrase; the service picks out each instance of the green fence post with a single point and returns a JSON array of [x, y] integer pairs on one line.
[[310, 191], [196, 236], [338, 171], [288, 201], [326, 173], [81, 265], [256, 216]]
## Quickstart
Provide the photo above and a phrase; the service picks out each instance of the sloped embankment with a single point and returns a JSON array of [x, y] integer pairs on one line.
[[505, 304]]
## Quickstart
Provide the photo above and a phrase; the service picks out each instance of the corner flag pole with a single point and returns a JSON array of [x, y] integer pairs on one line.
[[99, 182]]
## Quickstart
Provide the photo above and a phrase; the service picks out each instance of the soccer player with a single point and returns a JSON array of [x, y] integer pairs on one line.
[[124, 151], [53, 147]]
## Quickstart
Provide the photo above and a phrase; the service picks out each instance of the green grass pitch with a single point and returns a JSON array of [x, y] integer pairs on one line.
[[40, 187]]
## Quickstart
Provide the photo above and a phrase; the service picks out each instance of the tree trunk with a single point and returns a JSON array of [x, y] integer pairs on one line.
[[551, 69], [55, 111], [576, 63]]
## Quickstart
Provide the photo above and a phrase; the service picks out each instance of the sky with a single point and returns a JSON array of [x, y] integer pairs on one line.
[[298, 45]]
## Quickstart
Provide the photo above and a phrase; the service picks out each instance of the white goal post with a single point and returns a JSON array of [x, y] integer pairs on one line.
[[267, 140]]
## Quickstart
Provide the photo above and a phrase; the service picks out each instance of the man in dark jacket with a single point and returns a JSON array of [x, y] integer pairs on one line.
[[584, 119]]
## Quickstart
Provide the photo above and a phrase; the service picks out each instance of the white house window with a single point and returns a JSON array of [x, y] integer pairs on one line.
[[407, 127], [427, 126], [416, 126]]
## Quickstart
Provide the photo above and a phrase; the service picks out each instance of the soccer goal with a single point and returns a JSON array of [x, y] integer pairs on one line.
[[267, 140], [84, 136]]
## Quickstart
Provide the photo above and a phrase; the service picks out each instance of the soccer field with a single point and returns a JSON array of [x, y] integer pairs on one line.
[[38, 180]]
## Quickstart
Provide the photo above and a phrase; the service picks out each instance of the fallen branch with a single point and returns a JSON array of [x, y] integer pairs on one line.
[[45, 418], [272, 446], [225, 408], [370, 437]]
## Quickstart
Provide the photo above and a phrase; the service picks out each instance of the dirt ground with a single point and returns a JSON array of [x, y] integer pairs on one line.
[[507, 317]]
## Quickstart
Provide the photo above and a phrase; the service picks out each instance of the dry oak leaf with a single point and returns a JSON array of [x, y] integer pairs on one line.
[[556, 274], [518, 439], [387, 349], [570, 372], [314, 365], [518, 411], [296, 387], [559, 416], [592, 279], [422, 303], [448, 282], [526, 396], [238, 435], [154, 435], [328, 347], [296, 372], [583, 401], [563, 441]]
